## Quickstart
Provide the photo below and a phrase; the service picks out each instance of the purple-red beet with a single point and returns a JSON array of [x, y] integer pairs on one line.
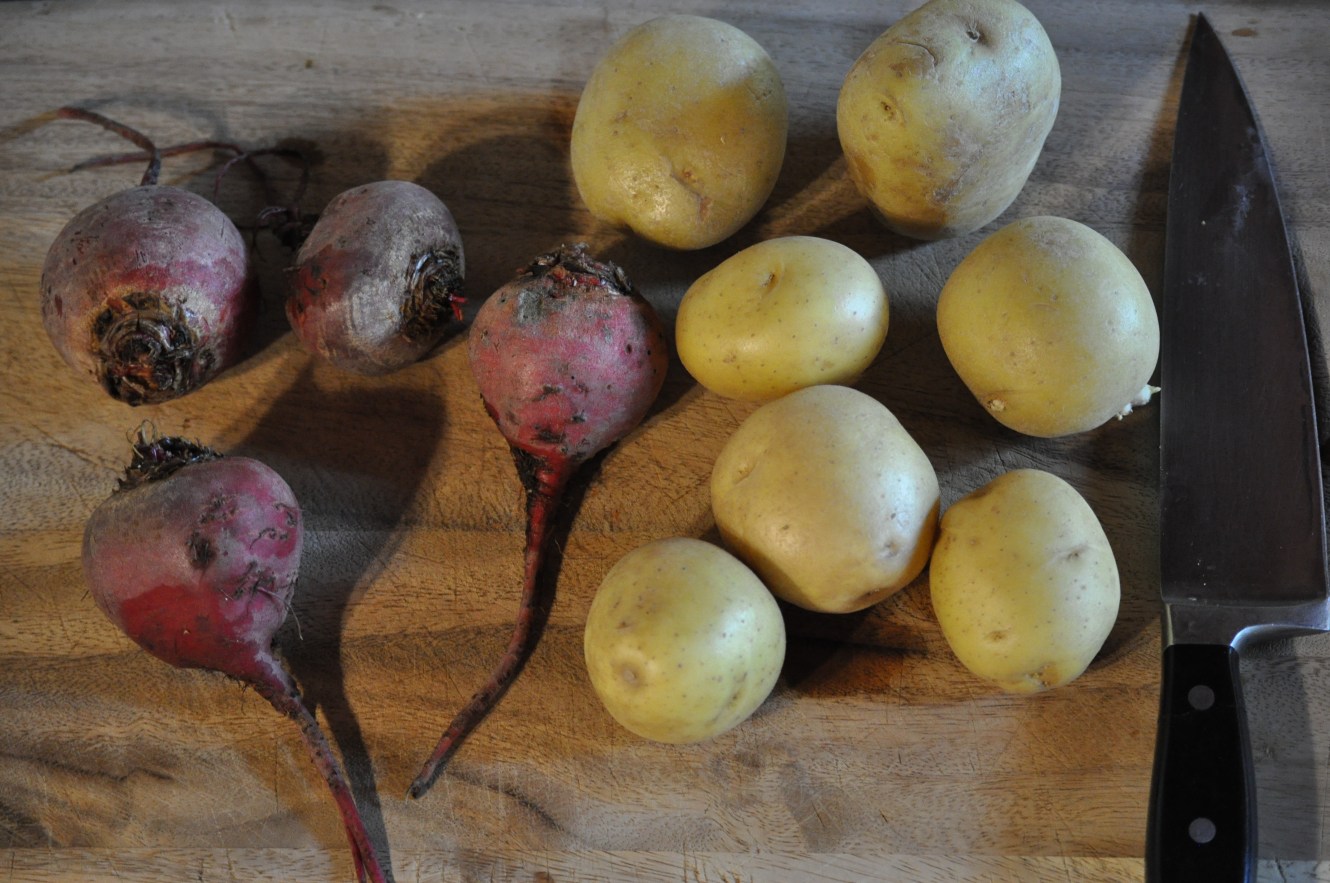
[[378, 279], [150, 291], [195, 557], [569, 358]]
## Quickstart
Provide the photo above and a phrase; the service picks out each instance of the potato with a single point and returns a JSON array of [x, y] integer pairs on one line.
[[680, 132], [682, 641], [781, 315], [1023, 581], [828, 498], [1051, 327], [944, 115]]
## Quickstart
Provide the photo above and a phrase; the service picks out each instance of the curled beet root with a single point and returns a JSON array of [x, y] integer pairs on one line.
[[569, 358], [150, 291], [195, 557], [378, 279]]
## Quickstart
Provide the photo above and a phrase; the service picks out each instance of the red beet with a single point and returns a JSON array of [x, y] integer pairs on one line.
[[378, 279], [195, 557], [150, 291], [569, 358]]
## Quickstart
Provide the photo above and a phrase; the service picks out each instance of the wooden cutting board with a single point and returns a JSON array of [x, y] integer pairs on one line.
[[876, 758]]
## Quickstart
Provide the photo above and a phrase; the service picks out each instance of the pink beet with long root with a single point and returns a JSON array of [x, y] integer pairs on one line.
[[150, 291], [195, 557], [569, 358]]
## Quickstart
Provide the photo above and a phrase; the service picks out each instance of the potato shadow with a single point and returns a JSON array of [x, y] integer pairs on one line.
[[843, 654], [818, 647], [510, 191], [356, 495]]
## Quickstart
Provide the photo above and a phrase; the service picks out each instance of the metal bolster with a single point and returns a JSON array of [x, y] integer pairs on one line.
[[1199, 622]]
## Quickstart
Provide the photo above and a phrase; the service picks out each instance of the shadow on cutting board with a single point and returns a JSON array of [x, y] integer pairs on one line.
[[1280, 688], [354, 504]]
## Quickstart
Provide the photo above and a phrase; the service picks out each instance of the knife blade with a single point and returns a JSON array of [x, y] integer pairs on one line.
[[1242, 521]]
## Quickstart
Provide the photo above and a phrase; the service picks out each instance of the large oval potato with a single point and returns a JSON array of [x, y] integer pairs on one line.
[[824, 493], [1051, 327], [780, 315], [680, 131], [1023, 581], [944, 115], [682, 641]]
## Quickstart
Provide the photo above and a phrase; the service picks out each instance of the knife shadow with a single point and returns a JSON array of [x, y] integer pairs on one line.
[[1278, 696], [1281, 732], [1320, 369]]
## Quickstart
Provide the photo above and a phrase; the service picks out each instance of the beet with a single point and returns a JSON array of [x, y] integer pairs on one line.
[[569, 358], [150, 291], [379, 278], [195, 557]]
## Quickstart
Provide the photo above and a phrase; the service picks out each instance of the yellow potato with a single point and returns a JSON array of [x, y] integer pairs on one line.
[[828, 498], [680, 131], [1051, 327], [943, 116], [1023, 581], [781, 315], [682, 641]]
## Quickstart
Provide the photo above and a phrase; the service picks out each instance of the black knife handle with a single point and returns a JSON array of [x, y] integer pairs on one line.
[[1202, 822]]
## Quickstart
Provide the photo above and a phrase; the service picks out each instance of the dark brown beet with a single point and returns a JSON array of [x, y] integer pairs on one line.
[[378, 279], [568, 358]]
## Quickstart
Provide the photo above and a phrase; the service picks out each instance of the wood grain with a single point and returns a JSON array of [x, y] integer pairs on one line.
[[876, 758]]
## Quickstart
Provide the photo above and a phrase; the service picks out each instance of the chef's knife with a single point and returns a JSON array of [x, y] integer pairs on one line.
[[1242, 522]]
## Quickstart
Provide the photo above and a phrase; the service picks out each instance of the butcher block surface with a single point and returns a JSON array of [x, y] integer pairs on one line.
[[877, 756]]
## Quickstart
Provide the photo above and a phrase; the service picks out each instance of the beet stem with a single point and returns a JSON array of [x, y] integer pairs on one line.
[[154, 169], [289, 224], [274, 683], [147, 350], [435, 285], [116, 159], [157, 457], [248, 157], [544, 490]]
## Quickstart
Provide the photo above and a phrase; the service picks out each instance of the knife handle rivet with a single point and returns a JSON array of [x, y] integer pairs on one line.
[[1201, 830], [1200, 697]]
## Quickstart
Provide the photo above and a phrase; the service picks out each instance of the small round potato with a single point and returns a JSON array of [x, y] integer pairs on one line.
[[682, 641], [680, 131], [944, 115], [781, 315], [1023, 581], [828, 498], [1051, 327]]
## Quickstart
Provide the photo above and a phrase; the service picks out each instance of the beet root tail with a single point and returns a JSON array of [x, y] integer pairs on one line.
[[544, 487], [275, 684]]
